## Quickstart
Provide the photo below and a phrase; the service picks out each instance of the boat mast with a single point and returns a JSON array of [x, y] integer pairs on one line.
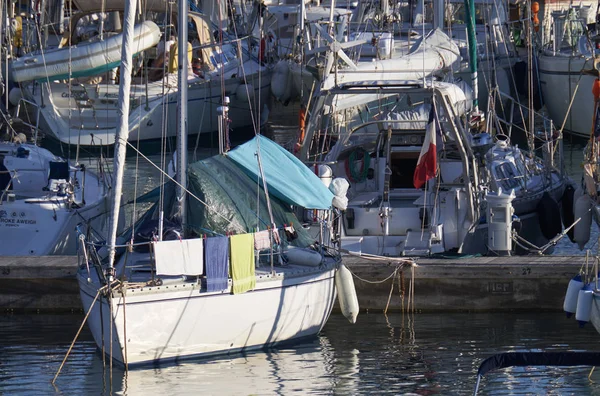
[[122, 131], [438, 14], [182, 77], [472, 41]]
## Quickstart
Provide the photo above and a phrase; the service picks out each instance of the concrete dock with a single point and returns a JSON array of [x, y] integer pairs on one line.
[[491, 284], [477, 284]]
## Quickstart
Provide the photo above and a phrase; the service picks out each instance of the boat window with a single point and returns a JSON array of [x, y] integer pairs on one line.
[[506, 176]]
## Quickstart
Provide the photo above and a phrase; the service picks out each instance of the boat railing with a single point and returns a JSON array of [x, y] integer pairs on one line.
[[6, 189], [544, 139], [34, 127], [566, 32]]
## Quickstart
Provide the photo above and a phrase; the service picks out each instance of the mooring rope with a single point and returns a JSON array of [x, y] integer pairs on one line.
[[376, 282], [394, 275], [78, 332], [391, 290]]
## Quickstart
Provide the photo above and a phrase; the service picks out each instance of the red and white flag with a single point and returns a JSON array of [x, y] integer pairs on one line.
[[427, 163]]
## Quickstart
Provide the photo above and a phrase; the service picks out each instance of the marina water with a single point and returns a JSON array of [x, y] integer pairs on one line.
[[428, 354], [424, 354]]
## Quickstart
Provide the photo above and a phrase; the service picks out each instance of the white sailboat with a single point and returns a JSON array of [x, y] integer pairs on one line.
[[386, 138], [375, 134], [381, 38], [177, 300], [564, 66], [85, 111], [44, 199]]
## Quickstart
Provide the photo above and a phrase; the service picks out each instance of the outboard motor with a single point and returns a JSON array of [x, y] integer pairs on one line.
[[499, 219]]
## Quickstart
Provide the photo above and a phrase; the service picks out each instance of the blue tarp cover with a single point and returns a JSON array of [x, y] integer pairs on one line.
[[287, 177]]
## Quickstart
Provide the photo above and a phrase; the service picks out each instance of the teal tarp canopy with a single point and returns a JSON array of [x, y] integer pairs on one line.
[[287, 177], [232, 201]]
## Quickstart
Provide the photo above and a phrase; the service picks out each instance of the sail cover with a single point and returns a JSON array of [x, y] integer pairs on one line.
[[287, 177]]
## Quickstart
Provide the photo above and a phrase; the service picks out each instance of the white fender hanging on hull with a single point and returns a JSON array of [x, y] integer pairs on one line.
[[346, 293], [582, 229], [584, 306], [570, 303]]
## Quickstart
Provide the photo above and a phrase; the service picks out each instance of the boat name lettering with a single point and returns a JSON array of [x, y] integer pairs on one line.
[[111, 95], [77, 95], [10, 221]]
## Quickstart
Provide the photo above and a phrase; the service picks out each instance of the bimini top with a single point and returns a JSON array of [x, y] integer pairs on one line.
[[287, 177]]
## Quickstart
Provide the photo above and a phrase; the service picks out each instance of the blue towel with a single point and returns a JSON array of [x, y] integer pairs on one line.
[[216, 259]]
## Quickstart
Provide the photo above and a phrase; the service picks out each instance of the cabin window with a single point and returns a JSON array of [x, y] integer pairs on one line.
[[506, 176]]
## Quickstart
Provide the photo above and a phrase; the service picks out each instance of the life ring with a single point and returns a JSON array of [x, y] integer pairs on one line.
[[354, 175]]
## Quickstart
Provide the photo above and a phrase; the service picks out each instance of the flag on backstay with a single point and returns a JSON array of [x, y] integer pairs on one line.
[[427, 163]]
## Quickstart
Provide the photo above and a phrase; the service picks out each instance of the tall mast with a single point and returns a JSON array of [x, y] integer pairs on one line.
[[472, 41], [182, 77], [122, 130]]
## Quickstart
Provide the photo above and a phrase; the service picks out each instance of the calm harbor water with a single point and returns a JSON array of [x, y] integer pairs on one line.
[[426, 354]]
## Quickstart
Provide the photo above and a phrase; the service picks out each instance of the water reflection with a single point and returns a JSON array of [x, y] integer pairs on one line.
[[422, 354], [307, 368]]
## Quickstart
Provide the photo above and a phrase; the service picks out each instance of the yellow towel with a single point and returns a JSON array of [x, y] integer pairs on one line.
[[242, 263]]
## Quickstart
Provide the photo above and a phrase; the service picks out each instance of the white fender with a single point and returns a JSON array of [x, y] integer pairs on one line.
[[14, 96], [570, 304], [584, 306], [245, 93], [581, 231], [281, 88], [344, 284], [301, 256]]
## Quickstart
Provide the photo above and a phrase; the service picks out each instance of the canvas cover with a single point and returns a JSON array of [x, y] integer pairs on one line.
[[287, 177], [235, 203]]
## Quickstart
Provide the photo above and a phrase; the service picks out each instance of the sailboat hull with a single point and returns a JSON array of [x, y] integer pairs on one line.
[[89, 117], [36, 217], [167, 323], [563, 74]]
